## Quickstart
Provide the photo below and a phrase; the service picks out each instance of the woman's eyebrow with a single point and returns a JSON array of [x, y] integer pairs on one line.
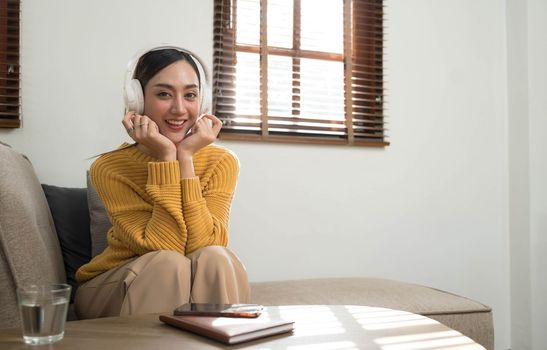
[[169, 86], [163, 85]]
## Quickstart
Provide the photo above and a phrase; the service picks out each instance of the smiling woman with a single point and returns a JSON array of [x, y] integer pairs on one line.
[[168, 197], [171, 102]]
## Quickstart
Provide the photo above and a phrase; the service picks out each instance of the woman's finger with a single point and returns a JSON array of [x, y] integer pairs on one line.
[[127, 121], [216, 124], [152, 126], [140, 124]]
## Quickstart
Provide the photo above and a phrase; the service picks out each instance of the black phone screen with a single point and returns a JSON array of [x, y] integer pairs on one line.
[[219, 310]]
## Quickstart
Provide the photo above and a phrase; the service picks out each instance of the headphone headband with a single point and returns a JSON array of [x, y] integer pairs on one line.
[[133, 91]]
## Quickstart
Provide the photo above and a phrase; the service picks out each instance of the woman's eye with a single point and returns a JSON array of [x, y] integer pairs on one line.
[[191, 95], [163, 94]]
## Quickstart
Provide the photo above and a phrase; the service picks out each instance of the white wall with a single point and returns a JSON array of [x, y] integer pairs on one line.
[[527, 108], [431, 208], [537, 92], [519, 173]]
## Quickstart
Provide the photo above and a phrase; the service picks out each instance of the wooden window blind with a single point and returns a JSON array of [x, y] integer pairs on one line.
[[302, 71], [9, 64]]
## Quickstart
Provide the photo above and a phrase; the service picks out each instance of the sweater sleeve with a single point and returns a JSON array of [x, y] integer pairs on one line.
[[206, 212], [145, 225]]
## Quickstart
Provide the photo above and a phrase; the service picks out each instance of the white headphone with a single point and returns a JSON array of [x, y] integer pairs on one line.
[[133, 93]]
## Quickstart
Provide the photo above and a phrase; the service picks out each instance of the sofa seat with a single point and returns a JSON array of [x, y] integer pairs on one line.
[[467, 316]]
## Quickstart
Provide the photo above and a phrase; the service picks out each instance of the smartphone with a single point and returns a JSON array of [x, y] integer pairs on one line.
[[219, 310]]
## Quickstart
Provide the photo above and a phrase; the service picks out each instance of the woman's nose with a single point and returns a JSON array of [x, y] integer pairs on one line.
[[179, 105]]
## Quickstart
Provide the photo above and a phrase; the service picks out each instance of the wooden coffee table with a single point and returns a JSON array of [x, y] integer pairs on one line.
[[317, 327]]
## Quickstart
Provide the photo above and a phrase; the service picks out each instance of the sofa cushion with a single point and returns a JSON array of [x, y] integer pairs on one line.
[[30, 252], [99, 221], [71, 217], [467, 316]]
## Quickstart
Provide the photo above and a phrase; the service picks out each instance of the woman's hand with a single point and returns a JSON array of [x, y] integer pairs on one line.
[[203, 133], [146, 133]]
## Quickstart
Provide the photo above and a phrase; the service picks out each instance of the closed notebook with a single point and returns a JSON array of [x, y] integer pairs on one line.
[[230, 330]]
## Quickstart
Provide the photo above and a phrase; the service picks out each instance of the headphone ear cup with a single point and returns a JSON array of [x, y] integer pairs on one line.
[[205, 103], [134, 97]]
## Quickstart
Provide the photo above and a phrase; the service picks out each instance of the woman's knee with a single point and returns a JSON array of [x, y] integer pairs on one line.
[[215, 258], [166, 262], [218, 276], [162, 283], [212, 251], [212, 254]]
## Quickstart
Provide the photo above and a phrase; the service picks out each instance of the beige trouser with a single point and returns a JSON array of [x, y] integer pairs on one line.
[[160, 281]]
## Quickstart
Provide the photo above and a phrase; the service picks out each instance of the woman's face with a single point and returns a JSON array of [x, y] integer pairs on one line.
[[172, 100]]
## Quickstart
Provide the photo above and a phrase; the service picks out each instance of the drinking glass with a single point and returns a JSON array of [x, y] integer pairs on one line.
[[43, 310]]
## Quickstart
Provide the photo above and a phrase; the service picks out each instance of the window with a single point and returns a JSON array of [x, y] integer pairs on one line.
[[9, 64], [284, 70]]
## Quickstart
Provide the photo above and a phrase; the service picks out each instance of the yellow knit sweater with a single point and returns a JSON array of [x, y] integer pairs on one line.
[[152, 208]]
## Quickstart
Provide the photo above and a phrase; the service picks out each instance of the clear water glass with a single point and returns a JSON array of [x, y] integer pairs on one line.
[[43, 310]]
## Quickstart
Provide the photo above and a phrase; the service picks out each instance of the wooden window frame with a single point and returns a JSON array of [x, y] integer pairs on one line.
[[363, 67], [10, 92]]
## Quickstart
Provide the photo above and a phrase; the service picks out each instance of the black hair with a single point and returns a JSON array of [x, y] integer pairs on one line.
[[154, 61]]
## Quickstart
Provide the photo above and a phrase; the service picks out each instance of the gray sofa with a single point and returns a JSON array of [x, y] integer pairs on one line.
[[45, 236]]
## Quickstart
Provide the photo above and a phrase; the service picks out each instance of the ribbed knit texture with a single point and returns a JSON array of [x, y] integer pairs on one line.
[[152, 208]]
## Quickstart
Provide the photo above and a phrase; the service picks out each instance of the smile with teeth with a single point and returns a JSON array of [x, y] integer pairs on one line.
[[175, 122]]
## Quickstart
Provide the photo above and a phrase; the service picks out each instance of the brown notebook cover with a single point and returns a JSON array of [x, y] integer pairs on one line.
[[230, 330]]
